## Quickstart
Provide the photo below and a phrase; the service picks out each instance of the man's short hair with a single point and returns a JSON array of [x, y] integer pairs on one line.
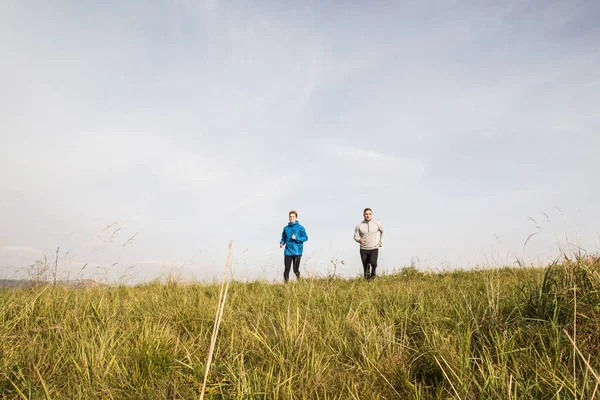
[[293, 212], [367, 209]]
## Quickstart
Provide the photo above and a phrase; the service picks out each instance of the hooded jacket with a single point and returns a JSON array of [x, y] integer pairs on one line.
[[293, 247]]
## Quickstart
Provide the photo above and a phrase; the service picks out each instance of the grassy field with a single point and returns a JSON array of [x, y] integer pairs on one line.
[[500, 334]]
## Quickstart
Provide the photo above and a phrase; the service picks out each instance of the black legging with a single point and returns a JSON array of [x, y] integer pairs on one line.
[[369, 257], [287, 261]]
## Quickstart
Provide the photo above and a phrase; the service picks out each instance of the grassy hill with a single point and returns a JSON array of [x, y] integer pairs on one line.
[[499, 334]]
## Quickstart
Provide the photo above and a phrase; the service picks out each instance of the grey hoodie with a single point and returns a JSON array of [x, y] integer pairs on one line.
[[369, 231]]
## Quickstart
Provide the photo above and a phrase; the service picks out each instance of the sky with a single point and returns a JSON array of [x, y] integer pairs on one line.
[[140, 137]]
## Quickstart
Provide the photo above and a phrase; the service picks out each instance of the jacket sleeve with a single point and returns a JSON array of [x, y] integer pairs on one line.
[[357, 233], [380, 232], [302, 236], [283, 237]]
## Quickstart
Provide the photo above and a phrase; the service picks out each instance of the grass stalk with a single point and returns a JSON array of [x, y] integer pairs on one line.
[[218, 317]]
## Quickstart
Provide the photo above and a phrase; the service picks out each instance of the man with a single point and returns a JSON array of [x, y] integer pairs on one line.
[[293, 238], [369, 234]]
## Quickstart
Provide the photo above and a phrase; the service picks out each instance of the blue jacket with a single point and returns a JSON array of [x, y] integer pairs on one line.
[[293, 247]]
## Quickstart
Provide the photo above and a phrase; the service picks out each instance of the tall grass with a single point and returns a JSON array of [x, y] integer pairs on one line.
[[502, 334]]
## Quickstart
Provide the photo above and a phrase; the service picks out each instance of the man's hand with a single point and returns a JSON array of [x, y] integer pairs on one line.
[[280, 246], [362, 240], [293, 237], [379, 244]]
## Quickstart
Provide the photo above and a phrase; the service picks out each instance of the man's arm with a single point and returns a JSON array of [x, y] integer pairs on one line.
[[357, 233], [380, 234]]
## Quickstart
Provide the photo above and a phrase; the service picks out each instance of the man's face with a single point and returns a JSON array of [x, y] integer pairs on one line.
[[368, 215], [293, 218]]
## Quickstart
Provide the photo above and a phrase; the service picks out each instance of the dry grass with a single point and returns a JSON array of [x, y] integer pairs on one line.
[[493, 334], [218, 318]]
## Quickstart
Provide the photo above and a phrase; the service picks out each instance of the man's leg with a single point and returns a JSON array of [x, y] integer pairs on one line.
[[364, 257], [287, 261], [297, 265], [373, 261]]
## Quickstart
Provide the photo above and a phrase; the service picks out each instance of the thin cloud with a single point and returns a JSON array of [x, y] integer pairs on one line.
[[457, 118], [379, 167]]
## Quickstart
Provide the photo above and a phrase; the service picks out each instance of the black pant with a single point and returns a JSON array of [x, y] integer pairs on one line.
[[287, 261], [369, 257]]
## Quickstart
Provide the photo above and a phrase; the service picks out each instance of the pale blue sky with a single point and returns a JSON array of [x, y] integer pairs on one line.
[[195, 123]]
